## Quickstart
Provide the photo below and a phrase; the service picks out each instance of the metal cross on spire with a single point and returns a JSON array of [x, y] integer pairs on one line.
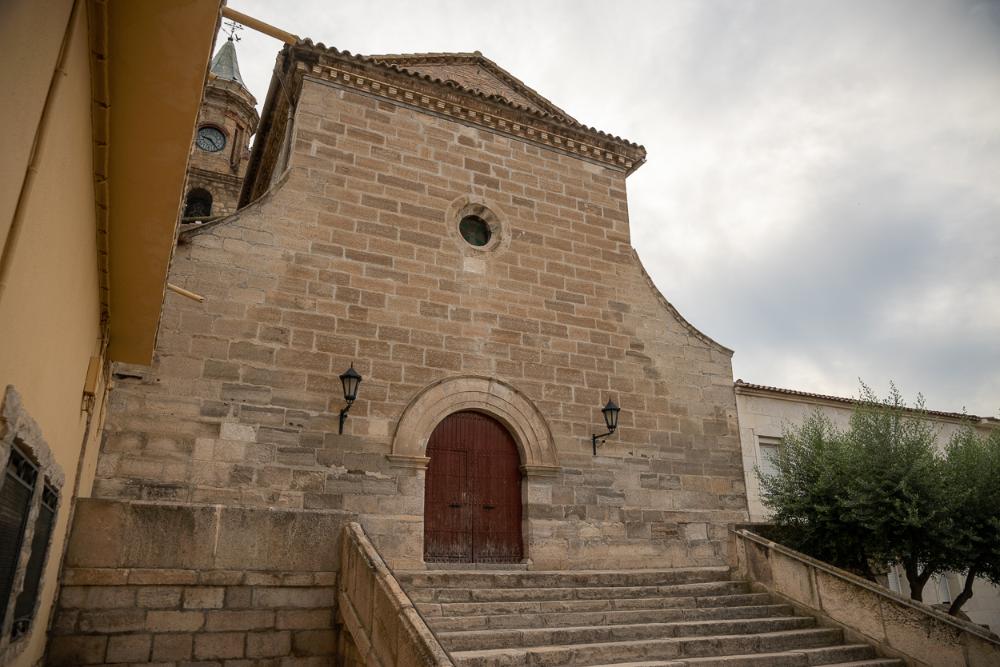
[[233, 27]]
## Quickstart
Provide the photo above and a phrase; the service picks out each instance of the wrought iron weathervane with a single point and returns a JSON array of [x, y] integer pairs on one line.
[[232, 27]]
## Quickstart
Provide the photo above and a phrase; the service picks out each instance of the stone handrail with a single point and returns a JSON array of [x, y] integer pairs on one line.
[[898, 627], [386, 628]]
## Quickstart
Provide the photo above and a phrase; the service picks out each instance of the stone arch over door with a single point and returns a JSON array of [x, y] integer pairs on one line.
[[488, 395]]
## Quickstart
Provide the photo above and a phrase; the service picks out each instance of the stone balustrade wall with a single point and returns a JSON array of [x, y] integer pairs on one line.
[[898, 627], [382, 628]]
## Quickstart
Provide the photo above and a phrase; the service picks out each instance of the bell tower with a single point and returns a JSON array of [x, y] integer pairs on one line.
[[221, 147]]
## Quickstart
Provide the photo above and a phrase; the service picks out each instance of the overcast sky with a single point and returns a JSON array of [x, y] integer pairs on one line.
[[822, 188]]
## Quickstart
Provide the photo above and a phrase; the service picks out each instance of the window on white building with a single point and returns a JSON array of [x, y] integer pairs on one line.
[[768, 451]]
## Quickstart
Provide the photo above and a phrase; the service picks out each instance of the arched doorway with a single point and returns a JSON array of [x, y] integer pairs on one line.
[[472, 497]]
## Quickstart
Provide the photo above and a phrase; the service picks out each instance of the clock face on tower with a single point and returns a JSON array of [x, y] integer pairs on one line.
[[210, 139]]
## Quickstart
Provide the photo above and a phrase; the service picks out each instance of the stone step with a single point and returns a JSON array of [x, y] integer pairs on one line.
[[676, 648], [469, 640], [574, 592], [828, 656], [548, 579], [578, 618], [461, 609]]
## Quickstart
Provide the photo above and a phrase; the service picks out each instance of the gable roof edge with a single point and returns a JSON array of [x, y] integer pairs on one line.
[[602, 146], [402, 60]]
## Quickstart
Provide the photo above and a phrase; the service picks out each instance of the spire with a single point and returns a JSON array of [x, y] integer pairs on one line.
[[224, 64]]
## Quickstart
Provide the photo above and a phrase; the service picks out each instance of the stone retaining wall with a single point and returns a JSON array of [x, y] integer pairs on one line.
[[169, 584]]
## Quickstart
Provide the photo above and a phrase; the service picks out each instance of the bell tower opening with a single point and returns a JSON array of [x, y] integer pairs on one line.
[[198, 203]]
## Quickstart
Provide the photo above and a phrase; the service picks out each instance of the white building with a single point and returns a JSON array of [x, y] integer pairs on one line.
[[765, 412]]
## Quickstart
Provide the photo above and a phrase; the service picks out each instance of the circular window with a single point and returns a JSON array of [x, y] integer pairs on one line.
[[475, 230]]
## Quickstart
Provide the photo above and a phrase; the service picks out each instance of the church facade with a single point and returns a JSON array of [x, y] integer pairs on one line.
[[424, 341], [463, 244]]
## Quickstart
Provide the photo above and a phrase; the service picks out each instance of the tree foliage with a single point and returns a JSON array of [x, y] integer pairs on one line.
[[807, 494], [881, 493], [972, 472], [897, 495]]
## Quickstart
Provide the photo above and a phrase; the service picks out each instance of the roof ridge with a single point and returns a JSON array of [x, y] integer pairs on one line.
[[427, 54], [739, 383], [477, 57]]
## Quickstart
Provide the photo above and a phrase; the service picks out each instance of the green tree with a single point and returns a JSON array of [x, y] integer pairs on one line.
[[972, 472], [807, 495], [867, 497], [897, 494]]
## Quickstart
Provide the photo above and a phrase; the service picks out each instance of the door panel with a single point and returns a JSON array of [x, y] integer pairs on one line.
[[473, 492], [449, 535]]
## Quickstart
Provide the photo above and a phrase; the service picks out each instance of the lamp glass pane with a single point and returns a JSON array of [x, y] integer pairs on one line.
[[350, 379], [610, 412]]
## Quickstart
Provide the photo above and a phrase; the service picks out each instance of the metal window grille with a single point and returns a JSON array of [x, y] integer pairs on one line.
[[15, 503], [24, 608]]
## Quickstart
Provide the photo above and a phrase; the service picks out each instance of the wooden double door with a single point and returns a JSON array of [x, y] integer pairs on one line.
[[472, 497]]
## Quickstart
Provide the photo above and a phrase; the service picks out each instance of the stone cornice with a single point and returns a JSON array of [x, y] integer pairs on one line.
[[491, 112], [413, 61], [230, 93], [208, 174]]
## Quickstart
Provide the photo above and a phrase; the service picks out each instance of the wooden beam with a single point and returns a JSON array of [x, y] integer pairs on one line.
[[183, 292], [259, 26]]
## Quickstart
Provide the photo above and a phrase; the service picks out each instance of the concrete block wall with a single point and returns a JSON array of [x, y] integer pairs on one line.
[[176, 584], [355, 257]]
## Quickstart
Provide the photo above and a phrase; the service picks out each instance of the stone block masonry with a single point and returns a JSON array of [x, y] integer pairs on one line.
[[185, 584], [354, 256]]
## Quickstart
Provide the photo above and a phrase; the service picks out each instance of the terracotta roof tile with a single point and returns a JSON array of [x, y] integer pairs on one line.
[[740, 384]]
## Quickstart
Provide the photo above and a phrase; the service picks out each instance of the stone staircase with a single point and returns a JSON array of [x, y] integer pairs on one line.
[[637, 618]]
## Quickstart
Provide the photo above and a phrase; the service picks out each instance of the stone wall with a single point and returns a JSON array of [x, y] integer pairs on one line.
[[381, 625], [172, 583], [898, 627], [356, 257]]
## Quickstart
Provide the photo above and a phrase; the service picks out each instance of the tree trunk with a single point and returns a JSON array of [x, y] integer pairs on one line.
[[917, 579], [966, 593]]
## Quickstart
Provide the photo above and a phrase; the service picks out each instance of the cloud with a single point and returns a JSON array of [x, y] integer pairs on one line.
[[823, 186]]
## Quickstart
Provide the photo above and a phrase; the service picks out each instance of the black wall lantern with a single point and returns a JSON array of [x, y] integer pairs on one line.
[[350, 379], [610, 412]]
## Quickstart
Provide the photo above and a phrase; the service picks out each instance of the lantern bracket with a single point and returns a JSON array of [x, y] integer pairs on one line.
[[610, 412]]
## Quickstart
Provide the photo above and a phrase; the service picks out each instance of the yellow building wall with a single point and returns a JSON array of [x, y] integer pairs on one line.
[[50, 310], [30, 34]]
